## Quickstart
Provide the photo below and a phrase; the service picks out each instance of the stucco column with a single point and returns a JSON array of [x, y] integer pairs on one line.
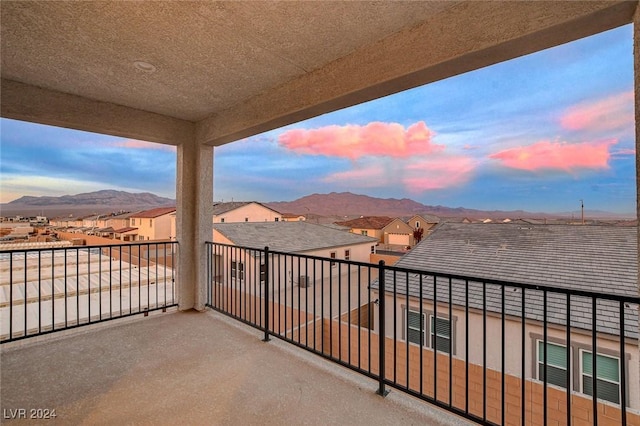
[[194, 217]]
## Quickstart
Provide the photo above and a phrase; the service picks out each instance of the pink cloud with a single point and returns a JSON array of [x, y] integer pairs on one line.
[[355, 141], [439, 173], [557, 155], [614, 113], [136, 144], [365, 177]]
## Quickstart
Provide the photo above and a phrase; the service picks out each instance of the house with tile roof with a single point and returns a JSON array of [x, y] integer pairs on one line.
[[312, 240], [371, 226], [398, 234], [153, 224], [549, 259], [244, 211]]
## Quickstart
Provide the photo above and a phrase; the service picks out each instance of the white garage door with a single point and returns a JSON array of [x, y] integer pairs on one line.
[[401, 239]]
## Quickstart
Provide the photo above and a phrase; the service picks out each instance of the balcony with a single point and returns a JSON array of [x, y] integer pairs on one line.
[[300, 337], [191, 368]]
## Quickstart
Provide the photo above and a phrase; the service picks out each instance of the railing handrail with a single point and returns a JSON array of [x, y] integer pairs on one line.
[[84, 247], [633, 299]]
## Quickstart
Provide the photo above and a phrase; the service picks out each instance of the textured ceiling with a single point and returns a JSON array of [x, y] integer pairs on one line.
[[229, 70], [209, 55]]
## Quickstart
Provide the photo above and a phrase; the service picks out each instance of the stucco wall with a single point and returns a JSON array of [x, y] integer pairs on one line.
[[252, 212], [513, 336]]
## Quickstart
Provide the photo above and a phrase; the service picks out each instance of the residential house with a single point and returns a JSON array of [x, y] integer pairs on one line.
[[244, 211], [371, 226], [397, 233], [154, 224], [290, 217], [592, 259], [424, 221], [293, 237]]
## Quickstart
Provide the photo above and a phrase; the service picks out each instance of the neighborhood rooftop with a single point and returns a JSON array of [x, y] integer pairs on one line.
[[160, 211], [288, 236], [367, 222], [588, 258], [220, 208]]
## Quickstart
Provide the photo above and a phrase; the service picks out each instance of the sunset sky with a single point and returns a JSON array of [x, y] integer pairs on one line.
[[537, 133]]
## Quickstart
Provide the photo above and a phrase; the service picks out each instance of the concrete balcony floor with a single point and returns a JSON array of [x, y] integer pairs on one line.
[[192, 368]]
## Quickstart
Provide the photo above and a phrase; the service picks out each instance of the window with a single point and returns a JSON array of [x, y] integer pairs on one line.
[[417, 224], [222, 220], [263, 272], [364, 232], [373, 249], [237, 270], [133, 222], [440, 334], [150, 223], [608, 369], [332, 255], [556, 366], [246, 219], [277, 219], [415, 327], [347, 254]]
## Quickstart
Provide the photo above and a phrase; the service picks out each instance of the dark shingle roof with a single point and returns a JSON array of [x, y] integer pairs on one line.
[[600, 259], [288, 236]]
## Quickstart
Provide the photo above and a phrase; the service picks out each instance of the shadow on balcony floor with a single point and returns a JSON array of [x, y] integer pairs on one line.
[[193, 368]]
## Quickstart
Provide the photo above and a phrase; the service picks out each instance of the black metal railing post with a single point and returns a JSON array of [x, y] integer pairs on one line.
[[266, 295], [381, 337]]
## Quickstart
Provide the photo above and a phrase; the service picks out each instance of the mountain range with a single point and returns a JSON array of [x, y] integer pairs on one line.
[[334, 204], [104, 201]]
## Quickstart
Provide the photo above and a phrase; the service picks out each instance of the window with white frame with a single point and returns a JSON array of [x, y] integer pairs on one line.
[[263, 272], [440, 334], [347, 254], [415, 332], [608, 377], [237, 270], [556, 364], [363, 232]]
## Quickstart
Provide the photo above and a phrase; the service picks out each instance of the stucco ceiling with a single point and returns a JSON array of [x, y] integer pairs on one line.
[[231, 69], [209, 55]]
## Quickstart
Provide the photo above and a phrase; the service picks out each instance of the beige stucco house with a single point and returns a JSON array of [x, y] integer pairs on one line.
[[154, 224], [371, 226], [293, 237], [244, 211], [424, 221], [398, 233], [581, 258]]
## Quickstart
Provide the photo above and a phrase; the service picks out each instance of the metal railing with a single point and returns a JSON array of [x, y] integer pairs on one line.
[[473, 346], [51, 289]]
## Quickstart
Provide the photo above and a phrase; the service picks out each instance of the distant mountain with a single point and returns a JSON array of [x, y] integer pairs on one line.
[[348, 204], [103, 201]]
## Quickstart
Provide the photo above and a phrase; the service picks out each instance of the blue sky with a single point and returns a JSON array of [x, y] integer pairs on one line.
[[537, 133]]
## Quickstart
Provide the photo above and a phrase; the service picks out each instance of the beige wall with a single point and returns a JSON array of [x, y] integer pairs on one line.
[[513, 330], [253, 212], [375, 233], [157, 228]]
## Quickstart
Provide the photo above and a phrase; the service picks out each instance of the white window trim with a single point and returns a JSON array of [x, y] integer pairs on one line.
[[237, 270], [539, 363], [582, 374], [432, 339], [424, 323]]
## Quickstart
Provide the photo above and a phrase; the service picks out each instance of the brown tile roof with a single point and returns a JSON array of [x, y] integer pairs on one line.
[[125, 230], [367, 222], [160, 211]]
